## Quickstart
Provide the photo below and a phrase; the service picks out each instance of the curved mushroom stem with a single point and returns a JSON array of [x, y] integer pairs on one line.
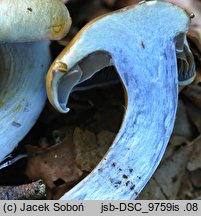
[[140, 43], [23, 65], [22, 96]]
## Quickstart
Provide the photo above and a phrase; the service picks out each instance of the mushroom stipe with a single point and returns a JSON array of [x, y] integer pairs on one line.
[[147, 45], [25, 58]]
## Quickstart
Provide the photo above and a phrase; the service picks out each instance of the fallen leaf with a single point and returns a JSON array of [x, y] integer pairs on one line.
[[183, 129], [193, 93], [168, 176], [195, 178], [152, 191], [194, 114], [186, 190], [55, 165], [194, 162], [89, 148]]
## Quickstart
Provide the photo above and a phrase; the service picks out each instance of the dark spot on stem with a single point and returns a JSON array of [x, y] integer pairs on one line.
[[125, 176], [132, 187], [127, 183], [119, 182], [111, 180], [142, 44], [29, 9], [16, 124], [100, 170], [113, 164]]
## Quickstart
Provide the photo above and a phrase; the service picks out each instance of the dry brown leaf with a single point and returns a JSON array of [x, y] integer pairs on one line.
[[194, 114], [85, 147], [183, 129], [195, 160], [186, 188], [109, 2], [195, 178], [89, 148], [55, 165], [178, 140], [193, 93], [152, 191], [168, 176], [190, 187], [125, 3], [198, 73], [191, 180]]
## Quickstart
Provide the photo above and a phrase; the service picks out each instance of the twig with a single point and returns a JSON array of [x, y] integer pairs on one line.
[[34, 190]]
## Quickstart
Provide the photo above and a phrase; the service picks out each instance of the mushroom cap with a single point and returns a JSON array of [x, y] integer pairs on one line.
[[125, 27], [25, 20]]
